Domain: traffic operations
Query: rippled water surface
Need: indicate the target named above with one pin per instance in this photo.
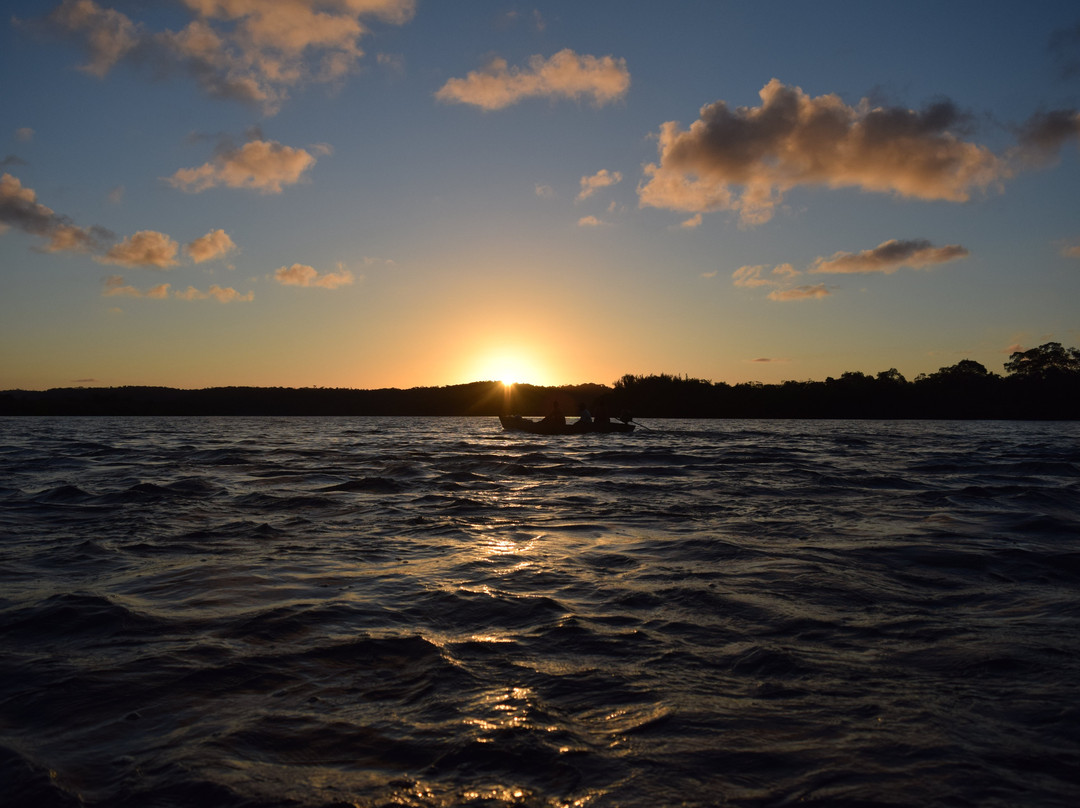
(411, 612)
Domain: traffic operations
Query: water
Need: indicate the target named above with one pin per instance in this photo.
(409, 612)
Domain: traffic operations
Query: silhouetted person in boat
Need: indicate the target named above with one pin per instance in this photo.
(584, 416)
(602, 417)
(555, 417)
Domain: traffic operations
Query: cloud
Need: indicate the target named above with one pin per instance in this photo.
(691, 223)
(590, 221)
(246, 50)
(765, 360)
(264, 166)
(712, 273)
(19, 208)
(545, 191)
(1071, 251)
(115, 286)
(800, 293)
(218, 293)
(888, 257)
(147, 248)
(116, 195)
(303, 275)
(1041, 137)
(25, 134)
(564, 75)
(601, 179)
(12, 160)
(214, 244)
(745, 159)
(751, 277)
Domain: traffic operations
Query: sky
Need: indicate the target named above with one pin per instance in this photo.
(402, 193)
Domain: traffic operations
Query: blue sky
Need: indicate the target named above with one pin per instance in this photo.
(369, 193)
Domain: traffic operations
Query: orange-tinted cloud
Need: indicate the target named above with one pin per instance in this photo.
(601, 179)
(303, 275)
(214, 244)
(750, 277)
(147, 248)
(19, 208)
(890, 256)
(221, 294)
(249, 50)
(800, 293)
(115, 286)
(564, 75)
(745, 159)
(264, 166)
(590, 221)
(1071, 251)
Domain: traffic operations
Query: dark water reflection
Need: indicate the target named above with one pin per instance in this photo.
(273, 612)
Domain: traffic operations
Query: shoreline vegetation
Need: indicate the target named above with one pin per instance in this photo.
(1040, 384)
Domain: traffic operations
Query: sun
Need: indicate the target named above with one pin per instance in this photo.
(510, 368)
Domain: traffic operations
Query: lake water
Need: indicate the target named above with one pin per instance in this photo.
(414, 612)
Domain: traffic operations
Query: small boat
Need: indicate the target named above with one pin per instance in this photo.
(515, 423)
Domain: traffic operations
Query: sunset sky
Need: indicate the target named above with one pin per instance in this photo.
(399, 193)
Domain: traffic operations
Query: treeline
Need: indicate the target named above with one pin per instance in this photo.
(476, 398)
(1042, 383)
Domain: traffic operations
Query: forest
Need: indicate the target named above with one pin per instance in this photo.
(1041, 383)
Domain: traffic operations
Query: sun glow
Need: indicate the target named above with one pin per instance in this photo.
(510, 368)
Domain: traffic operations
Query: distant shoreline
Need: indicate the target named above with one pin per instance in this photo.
(888, 396)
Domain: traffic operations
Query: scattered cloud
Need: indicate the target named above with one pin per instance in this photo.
(303, 275)
(886, 258)
(889, 256)
(262, 165)
(235, 49)
(545, 191)
(25, 134)
(745, 159)
(601, 179)
(115, 286)
(590, 221)
(766, 360)
(221, 294)
(19, 208)
(1041, 137)
(564, 75)
(116, 195)
(800, 293)
(751, 277)
(147, 248)
(691, 223)
(214, 244)
(1071, 251)
(710, 274)
(12, 160)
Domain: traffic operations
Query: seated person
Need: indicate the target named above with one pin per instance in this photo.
(555, 417)
(584, 416)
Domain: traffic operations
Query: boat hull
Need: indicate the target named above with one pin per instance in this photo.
(515, 423)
